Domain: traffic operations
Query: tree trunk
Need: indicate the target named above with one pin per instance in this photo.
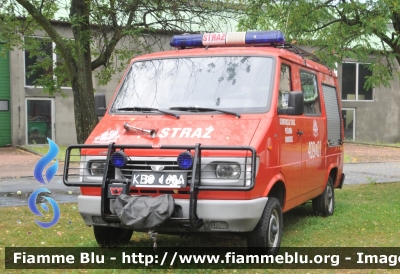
(82, 85)
(85, 118)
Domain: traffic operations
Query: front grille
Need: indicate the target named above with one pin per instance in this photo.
(145, 166)
(136, 164)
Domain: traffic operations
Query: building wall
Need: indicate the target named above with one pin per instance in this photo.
(377, 120)
(63, 119)
(63, 108)
(18, 113)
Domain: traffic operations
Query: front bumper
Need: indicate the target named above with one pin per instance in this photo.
(217, 215)
(197, 183)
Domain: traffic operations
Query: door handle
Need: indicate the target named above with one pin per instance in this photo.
(299, 132)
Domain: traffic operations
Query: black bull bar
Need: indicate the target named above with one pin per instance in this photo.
(195, 182)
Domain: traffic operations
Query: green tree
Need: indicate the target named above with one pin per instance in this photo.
(339, 29)
(99, 29)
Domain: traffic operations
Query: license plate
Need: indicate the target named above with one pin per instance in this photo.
(159, 179)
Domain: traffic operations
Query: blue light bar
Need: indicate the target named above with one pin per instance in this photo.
(187, 40)
(267, 37)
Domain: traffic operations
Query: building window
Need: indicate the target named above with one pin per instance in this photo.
(41, 50)
(353, 82)
(4, 105)
(309, 87)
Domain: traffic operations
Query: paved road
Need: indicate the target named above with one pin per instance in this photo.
(9, 191)
(362, 173)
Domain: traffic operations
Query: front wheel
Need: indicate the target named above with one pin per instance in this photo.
(266, 236)
(112, 236)
(324, 204)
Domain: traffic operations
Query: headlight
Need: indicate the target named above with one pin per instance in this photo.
(227, 171)
(97, 168)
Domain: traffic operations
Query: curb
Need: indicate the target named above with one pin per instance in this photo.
(15, 177)
(374, 145)
(28, 150)
(357, 163)
(23, 177)
(34, 152)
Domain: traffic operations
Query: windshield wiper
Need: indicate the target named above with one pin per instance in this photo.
(197, 109)
(144, 109)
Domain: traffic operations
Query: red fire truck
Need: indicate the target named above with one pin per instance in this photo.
(222, 134)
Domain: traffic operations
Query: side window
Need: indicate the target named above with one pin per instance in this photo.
(284, 86)
(309, 87)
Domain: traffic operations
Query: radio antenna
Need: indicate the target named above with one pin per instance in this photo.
(287, 21)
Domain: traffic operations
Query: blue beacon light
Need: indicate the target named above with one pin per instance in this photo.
(185, 160)
(118, 159)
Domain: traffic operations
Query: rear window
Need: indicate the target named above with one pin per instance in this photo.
(309, 86)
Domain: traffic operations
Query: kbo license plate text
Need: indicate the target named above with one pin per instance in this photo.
(159, 179)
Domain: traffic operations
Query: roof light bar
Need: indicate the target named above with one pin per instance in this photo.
(187, 40)
(261, 37)
(267, 37)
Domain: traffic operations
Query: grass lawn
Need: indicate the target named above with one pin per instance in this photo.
(365, 216)
(348, 158)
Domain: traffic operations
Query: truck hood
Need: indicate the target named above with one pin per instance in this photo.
(184, 131)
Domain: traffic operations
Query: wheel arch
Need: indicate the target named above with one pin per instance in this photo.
(276, 188)
(333, 173)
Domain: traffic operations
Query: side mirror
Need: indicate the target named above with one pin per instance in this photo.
(100, 104)
(295, 104)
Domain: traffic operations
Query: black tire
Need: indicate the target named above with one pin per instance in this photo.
(112, 236)
(266, 237)
(324, 204)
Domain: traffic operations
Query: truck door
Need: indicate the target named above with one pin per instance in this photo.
(313, 127)
(290, 141)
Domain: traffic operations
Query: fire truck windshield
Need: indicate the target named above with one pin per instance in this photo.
(234, 83)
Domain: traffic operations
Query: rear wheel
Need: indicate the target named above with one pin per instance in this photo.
(112, 236)
(324, 204)
(266, 236)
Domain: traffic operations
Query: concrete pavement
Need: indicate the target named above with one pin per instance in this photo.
(15, 192)
(364, 173)
(18, 163)
(17, 181)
